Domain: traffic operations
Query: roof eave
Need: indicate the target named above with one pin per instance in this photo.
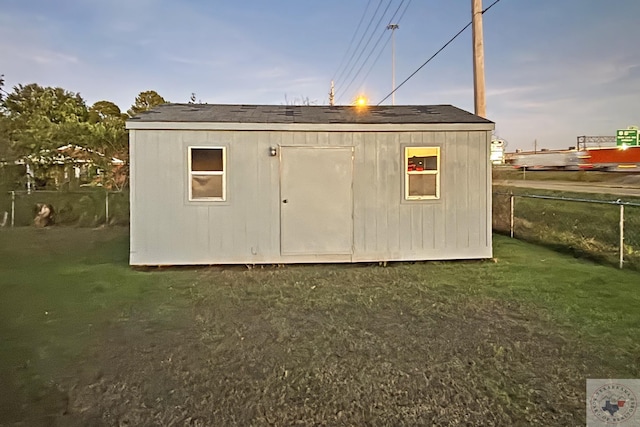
(311, 127)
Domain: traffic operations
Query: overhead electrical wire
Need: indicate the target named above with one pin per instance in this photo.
(373, 49)
(434, 55)
(366, 44)
(360, 41)
(385, 43)
(353, 37)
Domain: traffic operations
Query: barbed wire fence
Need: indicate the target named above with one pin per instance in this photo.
(90, 208)
(605, 231)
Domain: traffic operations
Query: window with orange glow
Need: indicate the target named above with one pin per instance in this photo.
(207, 177)
(422, 173)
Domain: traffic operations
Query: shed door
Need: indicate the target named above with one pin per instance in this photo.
(316, 200)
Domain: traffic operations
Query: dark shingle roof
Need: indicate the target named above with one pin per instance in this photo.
(288, 114)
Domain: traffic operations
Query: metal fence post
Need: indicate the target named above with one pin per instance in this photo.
(511, 210)
(106, 207)
(621, 235)
(13, 208)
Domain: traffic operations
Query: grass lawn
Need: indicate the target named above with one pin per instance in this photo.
(86, 340)
(586, 229)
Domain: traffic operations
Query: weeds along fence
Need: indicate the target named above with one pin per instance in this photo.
(89, 208)
(606, 231)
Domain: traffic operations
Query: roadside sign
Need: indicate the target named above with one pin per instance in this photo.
(627, 137)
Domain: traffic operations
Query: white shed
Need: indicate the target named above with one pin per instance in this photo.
(254, 184)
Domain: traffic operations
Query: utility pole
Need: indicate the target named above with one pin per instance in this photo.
(393, 28)
(332, 95)
(478, 59)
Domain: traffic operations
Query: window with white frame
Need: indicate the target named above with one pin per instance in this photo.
(422, 173)
(207, 173)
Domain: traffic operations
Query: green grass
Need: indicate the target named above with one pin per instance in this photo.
(585, 229)
(509, 173)
(510, 341)
(60, 287)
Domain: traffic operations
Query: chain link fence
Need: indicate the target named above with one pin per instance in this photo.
(89, 208)
(606, 231)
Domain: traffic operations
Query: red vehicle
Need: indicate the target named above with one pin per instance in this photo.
(613, 159)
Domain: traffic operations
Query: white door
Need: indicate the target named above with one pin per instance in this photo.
(316, 201)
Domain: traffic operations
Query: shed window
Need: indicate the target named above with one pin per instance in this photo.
(207, 175)
(422, 173)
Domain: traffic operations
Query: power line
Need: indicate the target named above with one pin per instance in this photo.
(376, 60)
(434, 55)
(355, 76)
(361, 39)
(385, 43)
(353, 37)
(368, 41)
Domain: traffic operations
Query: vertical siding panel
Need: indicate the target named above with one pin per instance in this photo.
(275, 139)
(139, 227)
(220, 218)
(258, 204)
(243, 189)
(416, 208)
(428, 227)
(486, 224)
(323, 139)
(251, 194)
(261, 205)
(428, 209)
(202, 236)
(463, 191)
(370, 194)
(453, 184)
(392, 176)
(135, 231)
(287, 138)
(172, 226)
(440, 211)
(381, 203)
(151, 198)
(359, 193)
(195, 233)
(309, 138)
(404, 218)
(476, 184)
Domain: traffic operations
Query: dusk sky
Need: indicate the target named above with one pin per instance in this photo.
(555, 69)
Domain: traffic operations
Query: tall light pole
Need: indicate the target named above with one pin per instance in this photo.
(393, 28)
(478, 59)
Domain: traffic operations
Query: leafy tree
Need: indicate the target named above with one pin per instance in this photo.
(44, 118)
(145, 101)
(37, 120)
(105, 110)
(4, 125)
(2, 92)
(110, 140)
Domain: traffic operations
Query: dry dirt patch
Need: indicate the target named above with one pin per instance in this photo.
(345, 354)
